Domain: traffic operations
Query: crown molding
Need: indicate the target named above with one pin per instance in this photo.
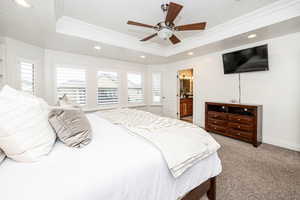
(74, 27)
(265, 16)
(271, 14)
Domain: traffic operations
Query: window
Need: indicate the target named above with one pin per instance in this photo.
(108, 88)
(135, 88)
(71, 82)
(27, 77)
(156, 88)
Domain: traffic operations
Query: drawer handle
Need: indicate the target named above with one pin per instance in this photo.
(216, 115)
(215, 128)
(215, 121)
(238, 134)
(239, 126)
(239, 119)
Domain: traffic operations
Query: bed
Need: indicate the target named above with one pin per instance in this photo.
(115, 166)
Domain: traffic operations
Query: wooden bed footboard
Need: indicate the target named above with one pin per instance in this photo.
(208, 187)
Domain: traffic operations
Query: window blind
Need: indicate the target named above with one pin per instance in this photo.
(156, 87)
(135, 88)
(108, 88)
(72, 82)
(27, 77)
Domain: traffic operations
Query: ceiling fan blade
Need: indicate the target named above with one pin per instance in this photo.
(174, 39)
(149, 37)
(139, 24)
(191, 27)
(173, 11)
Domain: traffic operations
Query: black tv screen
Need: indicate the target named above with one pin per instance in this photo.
(247, 60)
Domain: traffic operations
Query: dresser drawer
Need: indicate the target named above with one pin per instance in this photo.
(216, 128)
(241, 119)
(217, 115)
(217, 122)
(240, 134)
(242, 127)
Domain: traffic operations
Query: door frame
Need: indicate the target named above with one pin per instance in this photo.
(178, 92)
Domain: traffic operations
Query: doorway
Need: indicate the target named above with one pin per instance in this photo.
(185, 95)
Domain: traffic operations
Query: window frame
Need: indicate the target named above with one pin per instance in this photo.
(151, 89)
(105, 106)
(35, 74)
(132, 104)
(86, 82)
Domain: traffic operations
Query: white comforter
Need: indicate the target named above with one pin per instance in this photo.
(115, 166)
(182, 144)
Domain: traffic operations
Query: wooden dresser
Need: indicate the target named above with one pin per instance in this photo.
(186, 107)
(239, 121)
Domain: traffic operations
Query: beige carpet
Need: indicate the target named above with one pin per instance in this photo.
(263, 173)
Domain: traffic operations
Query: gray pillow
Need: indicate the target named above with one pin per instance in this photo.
(2, 156)
(71, 126)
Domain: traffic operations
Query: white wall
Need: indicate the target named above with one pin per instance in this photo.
(278, 89)
(46, 60)
(16, 51)
(92, 65)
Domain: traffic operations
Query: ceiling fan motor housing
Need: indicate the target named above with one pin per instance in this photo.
(166, 29)
(164, 7)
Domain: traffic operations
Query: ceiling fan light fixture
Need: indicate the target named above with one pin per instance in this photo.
(165, 33)
(166, 29)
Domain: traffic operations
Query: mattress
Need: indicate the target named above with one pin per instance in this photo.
(116, 165)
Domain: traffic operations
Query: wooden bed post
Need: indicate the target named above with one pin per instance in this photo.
(208, 187)
(211, 193)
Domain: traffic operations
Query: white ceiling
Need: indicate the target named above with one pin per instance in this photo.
(114, 14)
(38, 26)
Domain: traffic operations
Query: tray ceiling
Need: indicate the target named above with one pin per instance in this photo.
(77, 25)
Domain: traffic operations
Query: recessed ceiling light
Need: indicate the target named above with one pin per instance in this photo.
(190, 53)
(251, 36)
(23, 3)
(143, 56)
(97, 47)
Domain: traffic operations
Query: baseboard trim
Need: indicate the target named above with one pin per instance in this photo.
(281, 143)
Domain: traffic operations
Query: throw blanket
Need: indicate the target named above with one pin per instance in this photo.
(182, 144)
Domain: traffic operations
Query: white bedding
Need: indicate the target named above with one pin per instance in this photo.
(115, 166)
(182, 144)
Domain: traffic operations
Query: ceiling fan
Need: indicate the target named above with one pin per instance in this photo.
(166, 29)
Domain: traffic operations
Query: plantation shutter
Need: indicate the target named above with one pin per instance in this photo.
(156, 88)
(27, 77)
(135, 88)
(108, 88)
(72, 82)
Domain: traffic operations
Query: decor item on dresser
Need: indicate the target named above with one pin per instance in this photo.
(239, 121)
(25, 134)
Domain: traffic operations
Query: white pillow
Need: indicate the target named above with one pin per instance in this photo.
(25, 134)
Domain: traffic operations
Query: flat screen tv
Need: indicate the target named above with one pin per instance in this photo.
(246, 60)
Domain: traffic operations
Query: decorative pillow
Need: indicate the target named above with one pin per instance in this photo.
(2, 156)
(71, 126)
(25, 134)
